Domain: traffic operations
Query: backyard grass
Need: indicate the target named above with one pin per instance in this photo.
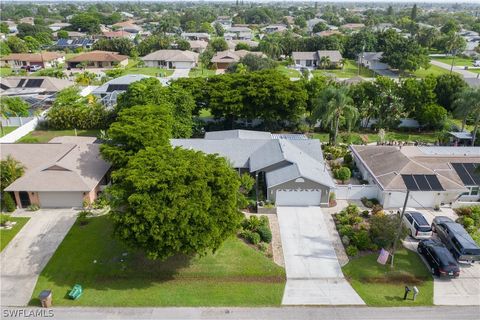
(359, 137)
(349, 70)
(7, 235)
(43, 136)
(381, 286)
(7, 130)
(112, 275)
(149, 71)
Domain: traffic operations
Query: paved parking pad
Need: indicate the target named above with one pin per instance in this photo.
(314, 276)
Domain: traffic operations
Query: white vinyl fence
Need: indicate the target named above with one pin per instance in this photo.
(23, 130)
(15, 121)
(356, 192)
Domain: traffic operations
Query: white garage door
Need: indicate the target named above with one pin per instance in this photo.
(60, 199)
(301, 197)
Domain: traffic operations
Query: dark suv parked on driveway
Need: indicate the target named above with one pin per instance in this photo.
(456, 239)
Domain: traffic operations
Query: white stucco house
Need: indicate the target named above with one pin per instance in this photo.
(434, 175)
(171, 59)
(372, 61)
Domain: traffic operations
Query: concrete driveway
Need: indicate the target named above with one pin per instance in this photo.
(29, 252)
(465, 290)
(314, 276)
(179, 73)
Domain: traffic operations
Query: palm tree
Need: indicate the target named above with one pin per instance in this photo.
(324, 62)
(11, 170)
(333, 105)
(12, 106)
(467, 104)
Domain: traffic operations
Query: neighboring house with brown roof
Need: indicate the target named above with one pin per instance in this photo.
(44, 59)
(314, 59)
(60, 174)
(73, 35)
(434, 175)
(225, 58)
(327, 33)
(98, 59)
(172, 59)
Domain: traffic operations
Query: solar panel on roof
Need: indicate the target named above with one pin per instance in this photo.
(20, 84)
(117, 87)
(34, 83)
(421, 182)
(464, 174)
(472, 171)
(409, 182)
(434, 183)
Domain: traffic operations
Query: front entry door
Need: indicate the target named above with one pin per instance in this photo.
(24, 199)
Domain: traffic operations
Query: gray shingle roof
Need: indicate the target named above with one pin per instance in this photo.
(237, 134)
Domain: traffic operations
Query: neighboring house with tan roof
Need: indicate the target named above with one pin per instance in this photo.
(128, 26)
(238, 33)
(352, 26)
(32, 88)
(98, 59)
(198, 45)
(314, 59)
(60, 174)
(118, 34)
(225, 58)
(172, 59)
(232, 44)
(434, 175)
(44, 59)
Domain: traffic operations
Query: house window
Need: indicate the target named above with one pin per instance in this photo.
(474, 191)
(308, 63)
(297, 61)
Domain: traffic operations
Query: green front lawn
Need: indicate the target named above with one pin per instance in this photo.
(236, 275)
(149, 71)
(359, 137)
(7, 130)
(43, 136)
(201, 72)
(474, 70)
(381, 286)
(349, 70)
(436, 71)
(7, 235)
(289, 72)
(458, 61)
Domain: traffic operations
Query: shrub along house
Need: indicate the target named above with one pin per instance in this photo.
(436, 176)
(60, 174)
(289, 169)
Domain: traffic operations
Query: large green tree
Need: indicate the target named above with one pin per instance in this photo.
(446, 87)
(10, 170)
(86, 22)
(151, 92)
(136, 128)
(174, 201)
(405, 54)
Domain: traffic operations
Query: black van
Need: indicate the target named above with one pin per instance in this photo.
(456, 239)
